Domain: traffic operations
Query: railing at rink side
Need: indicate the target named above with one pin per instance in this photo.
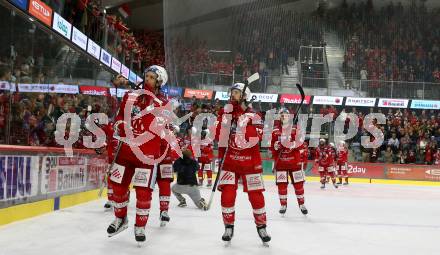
(375, 88)
(29, 174)
(398, 89)
(326, 86)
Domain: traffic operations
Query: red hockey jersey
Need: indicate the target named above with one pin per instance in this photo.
(286, 158)
(206, 154)
(151, 148)
(342, 156)
(437, 158)
(325, 155)
(241, 160)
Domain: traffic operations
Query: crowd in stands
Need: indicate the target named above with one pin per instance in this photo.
(30, 118)
(269, 37)
(152, 50)
(35, 56)
(253, 47)
(409, 136)
(88, 16)
(394, 42)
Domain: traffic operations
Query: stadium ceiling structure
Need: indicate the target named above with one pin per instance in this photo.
(133, 3)
(196, 12)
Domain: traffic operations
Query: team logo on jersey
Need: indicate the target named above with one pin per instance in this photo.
(117, 173)
(227, 178)
(142, 177)
(254, 182)
(155, 129)
(281, 177)
(166, 171)
(298, 176)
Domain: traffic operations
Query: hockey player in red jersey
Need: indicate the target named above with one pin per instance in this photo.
(205, 160)
(341, 163)
(437, 157)
(325, 159)
(128, 164)
(332, 146)
(305, 155)
(288, 162)
(240, 162)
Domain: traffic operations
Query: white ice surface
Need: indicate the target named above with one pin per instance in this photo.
(358, 219)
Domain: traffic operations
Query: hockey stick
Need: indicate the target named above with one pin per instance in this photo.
(249, 80)
(295, 117)
(303, 96)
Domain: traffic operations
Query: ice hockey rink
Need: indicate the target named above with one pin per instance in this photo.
(358, 219)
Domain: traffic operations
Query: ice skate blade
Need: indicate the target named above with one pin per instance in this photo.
(163, 224)
(227, 243)
(266, 244)
(119, 231)
(140, 244)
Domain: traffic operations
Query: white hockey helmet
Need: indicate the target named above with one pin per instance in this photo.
(332, 145)
(161, 73)
(240, 86)
(284, 110)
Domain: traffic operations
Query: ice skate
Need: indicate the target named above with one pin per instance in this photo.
(303, 209)
(117, 226)
(182, 203)
(283, 210)
(265, 238)
(164, 218)
(139, 234)
(229, 233)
